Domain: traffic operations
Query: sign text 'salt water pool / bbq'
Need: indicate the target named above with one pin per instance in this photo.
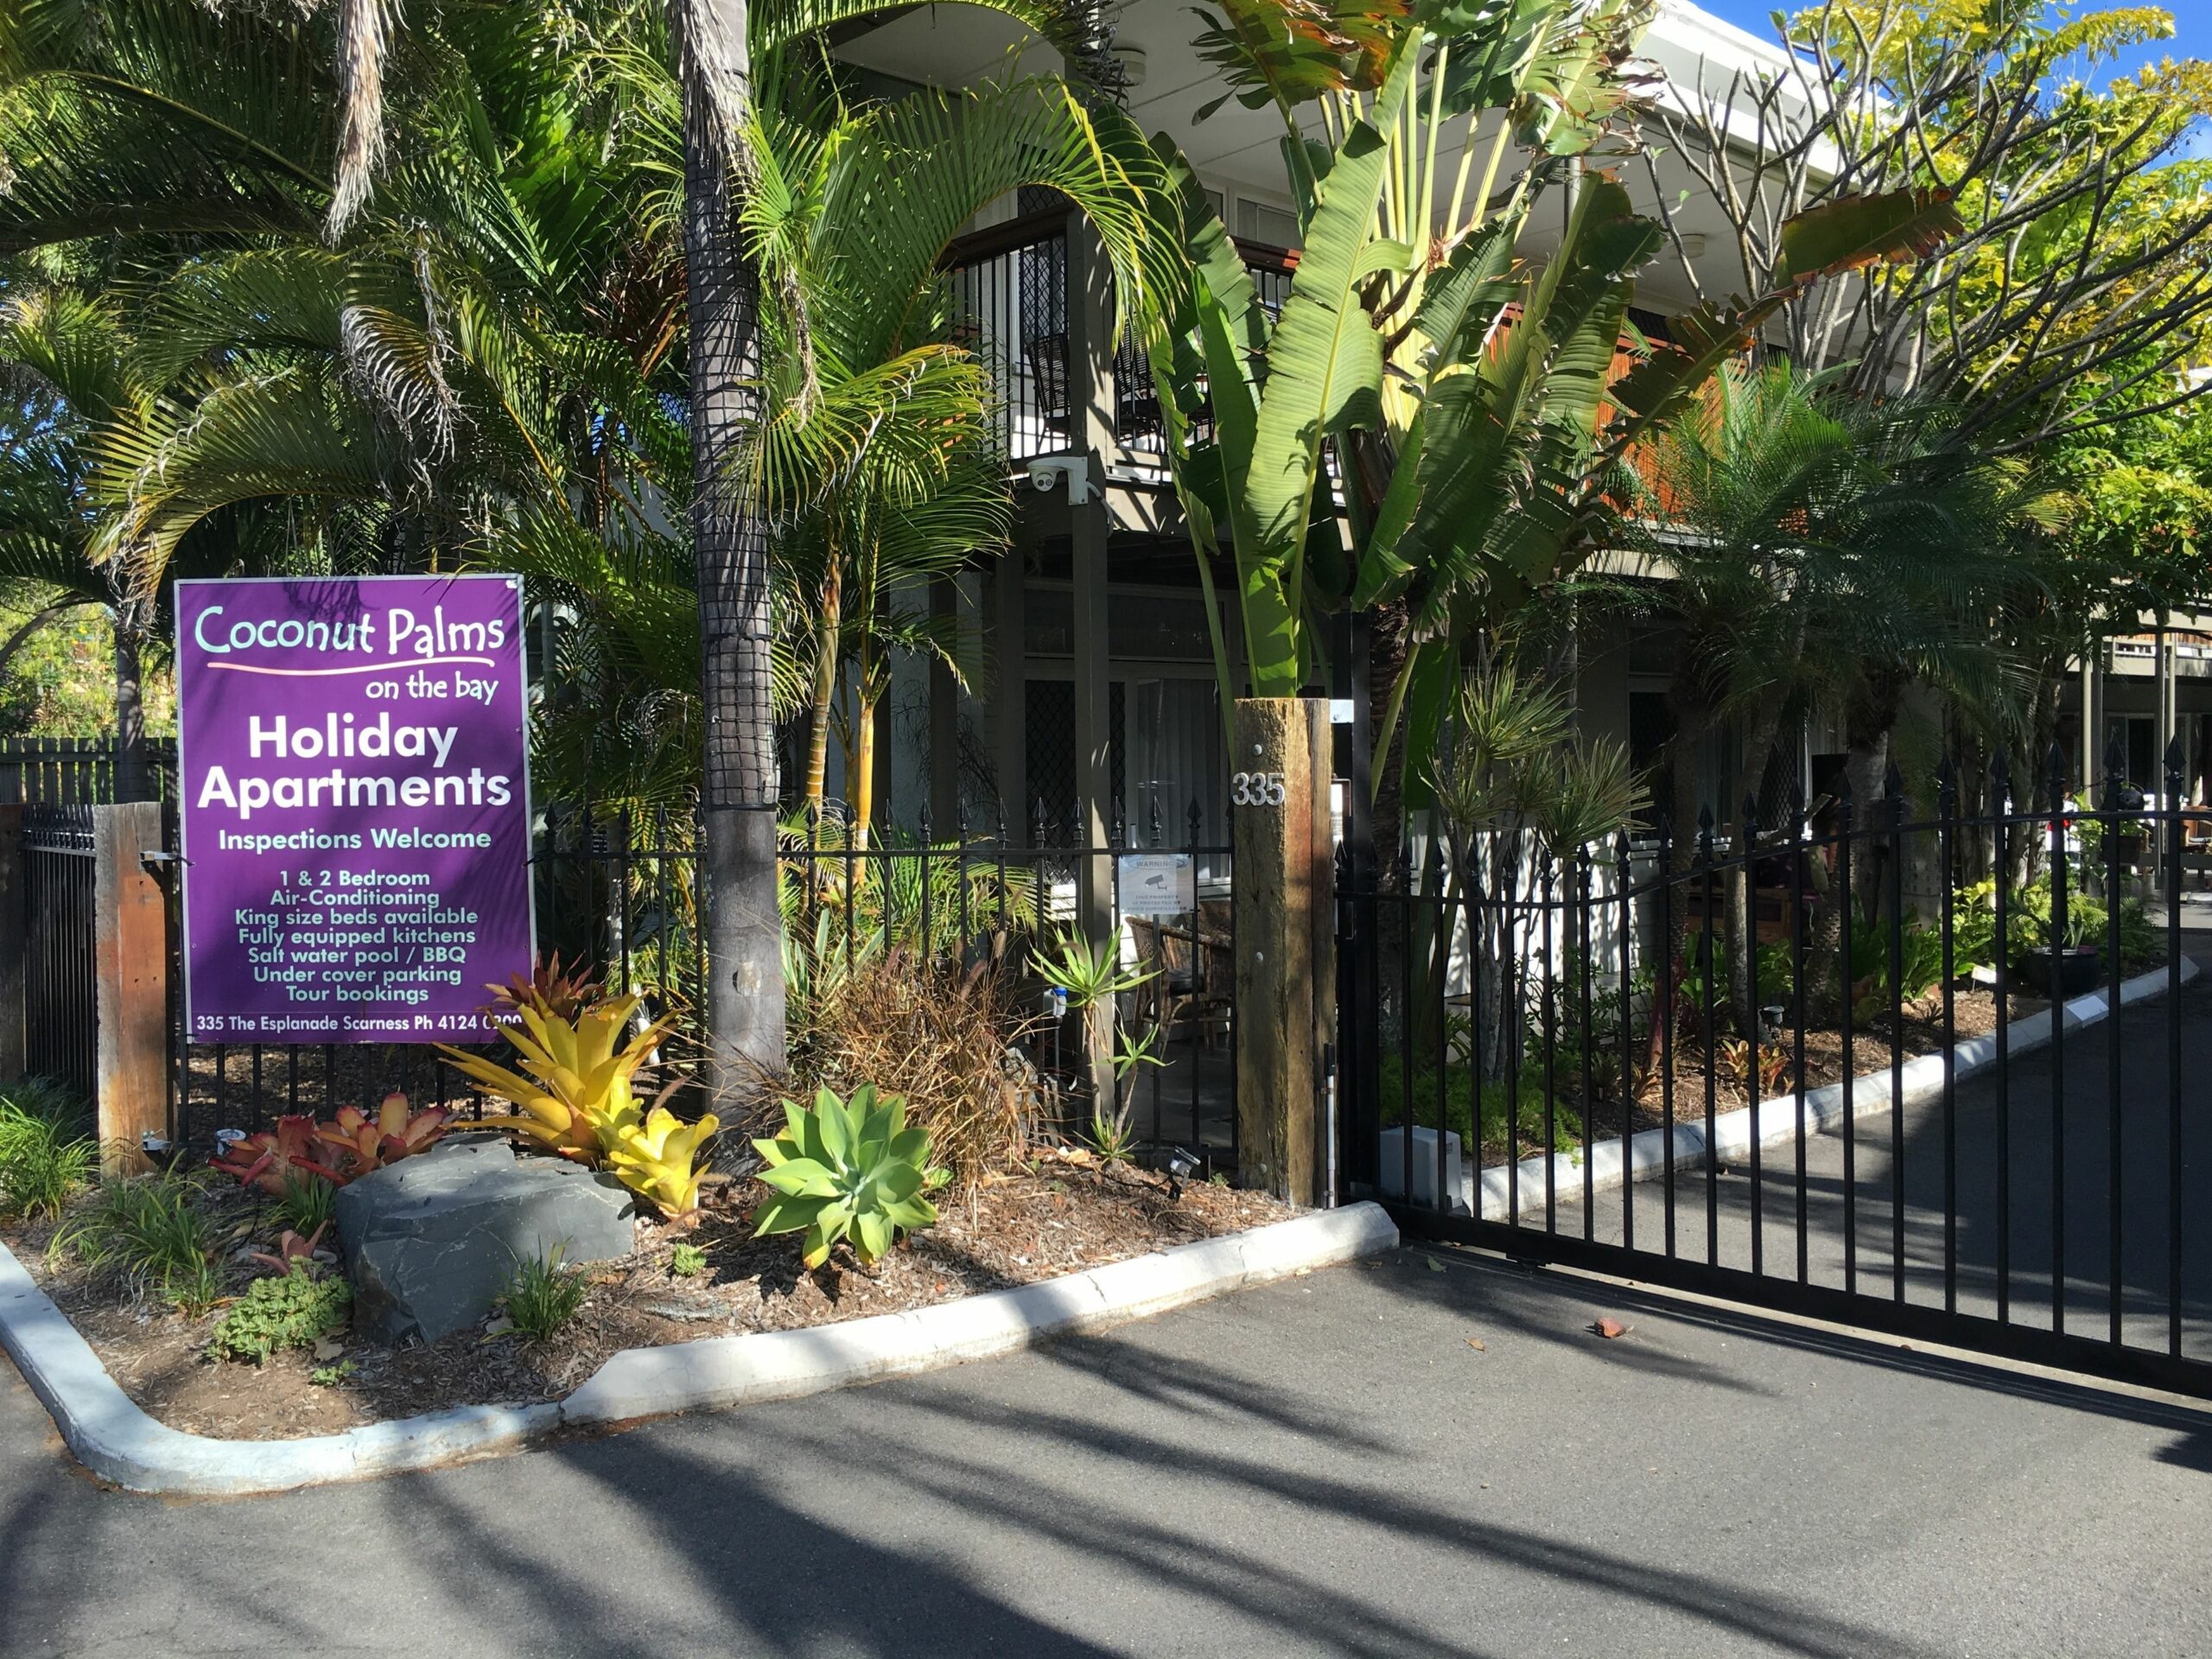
(355, 791)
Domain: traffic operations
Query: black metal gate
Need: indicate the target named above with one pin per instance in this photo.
(61, 1025)
(1812, 1064)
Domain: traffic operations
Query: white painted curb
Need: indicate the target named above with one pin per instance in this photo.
(1733, 1131)
(120, 1443)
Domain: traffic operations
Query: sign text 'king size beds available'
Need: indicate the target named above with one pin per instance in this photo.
(354, 784)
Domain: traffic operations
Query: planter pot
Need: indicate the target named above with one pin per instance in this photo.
(2073, 971)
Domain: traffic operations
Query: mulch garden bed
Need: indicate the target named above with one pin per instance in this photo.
(1063, 1213)
(1975, 1014)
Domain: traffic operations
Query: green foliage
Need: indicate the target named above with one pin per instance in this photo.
(307, 1204)
(329, 1376)
(686, 1261)
(1523, 1111)
(1087, 976)
(543, 1295)
(1110, 1137)
(1777, 976)
(848, 1169)
(153, 1231)
(1919, 964)
(45, 1153)
(293, 1309)
(2028, 926)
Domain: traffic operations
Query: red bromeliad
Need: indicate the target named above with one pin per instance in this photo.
(351, 1145)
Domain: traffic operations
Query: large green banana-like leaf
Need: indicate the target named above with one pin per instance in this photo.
(1288, 53)
(1836, 236)
(1580, 79)
(1325, 369)
(1855, 230)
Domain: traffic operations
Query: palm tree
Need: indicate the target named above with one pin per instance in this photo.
(1824, 550)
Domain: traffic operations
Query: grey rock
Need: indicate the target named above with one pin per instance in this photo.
(431, 1241)
(674, 1308)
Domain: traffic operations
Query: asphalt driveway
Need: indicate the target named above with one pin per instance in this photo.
(1325, 1466)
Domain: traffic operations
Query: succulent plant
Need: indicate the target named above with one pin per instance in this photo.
(848, 1169)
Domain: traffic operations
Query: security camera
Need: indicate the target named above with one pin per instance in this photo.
(1046, 471)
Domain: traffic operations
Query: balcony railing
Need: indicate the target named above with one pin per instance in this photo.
(1011, 307)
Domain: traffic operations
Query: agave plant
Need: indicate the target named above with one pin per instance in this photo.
(848, 1169)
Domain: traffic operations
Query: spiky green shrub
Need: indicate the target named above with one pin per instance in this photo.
(46, 1154)
(543, 1295)
(848, 1169)
(154, 1232)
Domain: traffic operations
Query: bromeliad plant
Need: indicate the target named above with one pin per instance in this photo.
(578, 1080)
(352, 1145)
(848, 1169)
(576, 1092)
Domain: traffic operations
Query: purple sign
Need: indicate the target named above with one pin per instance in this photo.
(354, 775)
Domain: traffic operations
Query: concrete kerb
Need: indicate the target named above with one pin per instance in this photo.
(1777, 1119)
(120, 1443)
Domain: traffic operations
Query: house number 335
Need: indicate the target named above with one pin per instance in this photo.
(1255, 788)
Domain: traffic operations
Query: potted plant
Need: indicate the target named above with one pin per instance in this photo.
(2051, 961)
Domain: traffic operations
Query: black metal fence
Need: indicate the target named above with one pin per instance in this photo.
(1011, 301)
(1815, 1064)
(621, 894)
(982, 896)
(61, 1030)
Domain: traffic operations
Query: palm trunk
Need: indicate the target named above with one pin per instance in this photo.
(827, 655)
(867, 698)
(134, 779)
(738, 796)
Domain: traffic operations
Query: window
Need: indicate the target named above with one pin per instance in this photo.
(1259, 221)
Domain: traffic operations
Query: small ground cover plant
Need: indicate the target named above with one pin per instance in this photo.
(848, 1169)
(293, 1309)
(686, 1261)
(153, 1231)
(543, 1295)
(46, 1154)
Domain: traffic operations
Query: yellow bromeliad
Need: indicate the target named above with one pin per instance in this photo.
(574, 1089)
(656, 1160)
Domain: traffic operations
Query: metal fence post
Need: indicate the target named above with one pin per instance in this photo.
(132, 972)
(15, 929)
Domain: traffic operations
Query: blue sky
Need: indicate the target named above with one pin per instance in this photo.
(2192, 37)
(2192, 25)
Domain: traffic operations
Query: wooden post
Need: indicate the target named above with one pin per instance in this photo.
(1285, 886)
(131, 967)
(15, 928)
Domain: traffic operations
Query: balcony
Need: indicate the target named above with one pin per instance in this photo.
(1011, 301)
